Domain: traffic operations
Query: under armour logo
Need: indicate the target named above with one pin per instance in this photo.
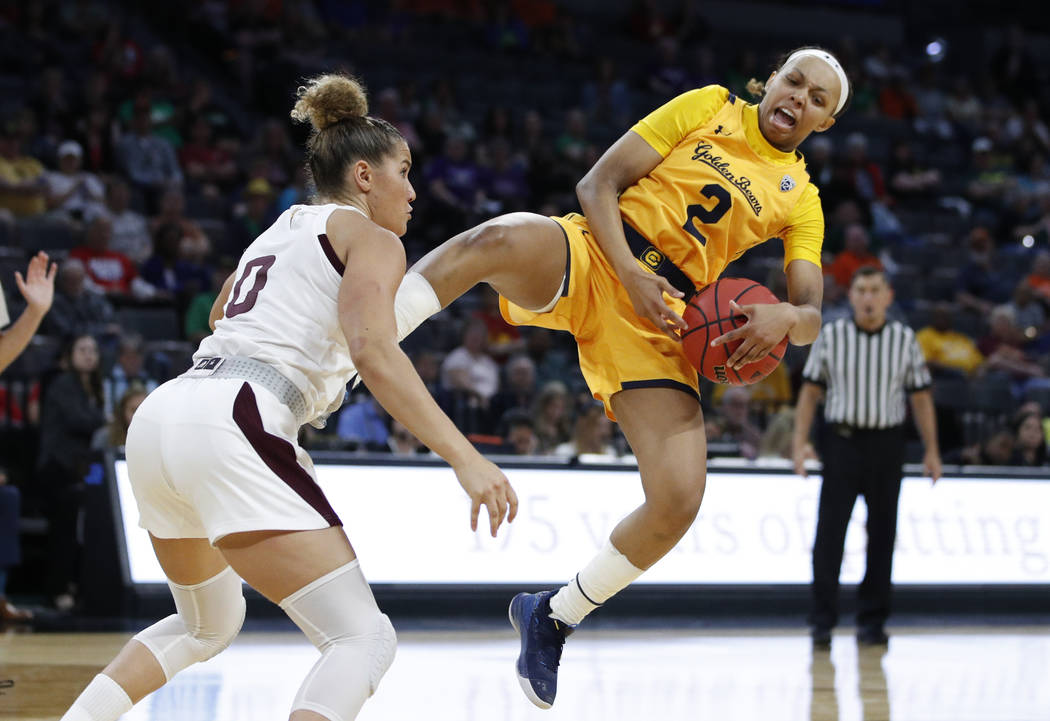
(718, 130)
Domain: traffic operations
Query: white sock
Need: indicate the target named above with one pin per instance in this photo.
(414, 303)
(607, 574)
(102, 700)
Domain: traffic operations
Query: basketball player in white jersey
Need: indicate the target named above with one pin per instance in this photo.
(221, 483)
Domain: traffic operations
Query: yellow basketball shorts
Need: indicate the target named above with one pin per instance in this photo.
(618, 350)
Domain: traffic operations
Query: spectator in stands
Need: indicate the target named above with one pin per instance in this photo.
(856, 254)
(251, 218)
(1003, 347)
(573, 146)
(1029, 314)
(72, 192)
(520, 433)
(73, 410)
(988, 180)
(912, 183)
(95, 135)
(401, 441)
(503, 338)
(776, 439)
(592, 434)
(865, 173)
(896, 99)
(129, 233)
(469, 368)
(10, 550)
(128, 371)
(607, 96)
(963, 108)
(363, 424)
(668, 75)
(518, 389)
(115, 433)
(818, 159)
(196, 321)
(456, 185)
(170, 269)
(22, 182)
(296, 192)
(734, 411)
(1029, 442)
(148, 159)
(173, 210)
(505, 178)
(947, 351)
(551, 417)
(389, 109)
(1039, 278)
(931, 105)
(983, 283)
(209, 168)
(995, 449)
(272, 155)
(76, 310)
(108, 271)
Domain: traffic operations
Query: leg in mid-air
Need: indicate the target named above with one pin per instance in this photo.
(522, 255)
(665, 428)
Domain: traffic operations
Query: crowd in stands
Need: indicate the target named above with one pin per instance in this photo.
(145, 164)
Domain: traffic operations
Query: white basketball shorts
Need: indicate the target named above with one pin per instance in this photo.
(212, 456)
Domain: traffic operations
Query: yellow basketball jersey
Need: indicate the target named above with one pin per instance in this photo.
(714, 195)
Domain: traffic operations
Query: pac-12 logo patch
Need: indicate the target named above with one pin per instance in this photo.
(787, 184)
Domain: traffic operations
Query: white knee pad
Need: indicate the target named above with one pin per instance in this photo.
(338, 613)
(207, 619)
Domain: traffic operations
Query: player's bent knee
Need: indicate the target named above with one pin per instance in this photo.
(678, 503)
(209, 616)
(357, 642)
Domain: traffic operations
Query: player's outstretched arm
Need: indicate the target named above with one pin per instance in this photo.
(38, 289)
(376, 264)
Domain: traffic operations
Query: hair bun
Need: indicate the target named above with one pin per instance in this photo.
(328, 99)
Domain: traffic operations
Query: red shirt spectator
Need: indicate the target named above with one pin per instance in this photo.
(855, 255)
(110, 271)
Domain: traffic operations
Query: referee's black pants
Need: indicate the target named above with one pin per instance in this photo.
(857, 462)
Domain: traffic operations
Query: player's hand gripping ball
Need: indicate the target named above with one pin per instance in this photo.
(709, 316)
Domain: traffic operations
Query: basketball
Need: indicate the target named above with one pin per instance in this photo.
(709, 316)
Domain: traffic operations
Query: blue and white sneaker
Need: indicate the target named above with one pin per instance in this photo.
(542, 639)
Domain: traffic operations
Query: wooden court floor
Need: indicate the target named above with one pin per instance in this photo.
(954, 674)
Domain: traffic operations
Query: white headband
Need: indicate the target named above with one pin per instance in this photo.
(833, 63)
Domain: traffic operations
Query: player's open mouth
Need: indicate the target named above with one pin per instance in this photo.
(783, 118)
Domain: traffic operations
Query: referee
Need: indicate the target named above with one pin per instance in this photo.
(863, 366)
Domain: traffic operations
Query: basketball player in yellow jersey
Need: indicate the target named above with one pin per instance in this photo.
(687, 190)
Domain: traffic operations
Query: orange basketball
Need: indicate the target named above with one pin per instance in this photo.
(709, 316)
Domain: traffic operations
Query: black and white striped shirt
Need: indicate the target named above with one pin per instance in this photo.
(866, 375)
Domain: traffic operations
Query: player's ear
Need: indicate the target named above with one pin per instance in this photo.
(361, 175)
(828, 122)
(770, 78)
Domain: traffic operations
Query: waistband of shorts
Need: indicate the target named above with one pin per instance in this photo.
(654, 259)
(254, 371)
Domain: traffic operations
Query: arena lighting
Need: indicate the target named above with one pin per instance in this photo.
(1028, 241)
(756, 527)
(936, 49)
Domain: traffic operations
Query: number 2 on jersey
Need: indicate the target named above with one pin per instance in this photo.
(237, 304)
(698, 213)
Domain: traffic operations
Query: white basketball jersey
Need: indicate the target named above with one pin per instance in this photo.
(283, 307)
